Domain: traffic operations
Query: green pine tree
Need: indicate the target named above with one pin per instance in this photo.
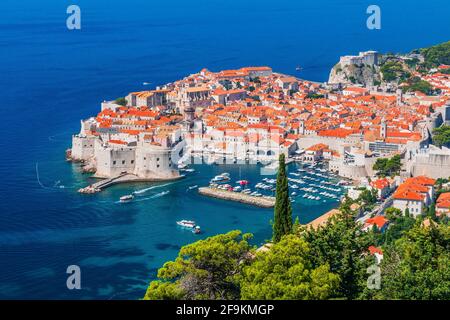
(283, 211)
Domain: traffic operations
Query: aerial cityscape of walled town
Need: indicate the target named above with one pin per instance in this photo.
(225, 155)
(254, 114)
(379, 127)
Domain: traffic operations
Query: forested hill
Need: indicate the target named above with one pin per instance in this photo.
(394, 69)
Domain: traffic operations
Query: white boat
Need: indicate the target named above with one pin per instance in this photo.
(220, 178)
(193, 187)
(126, 198)
(196, 230)
(186, 224)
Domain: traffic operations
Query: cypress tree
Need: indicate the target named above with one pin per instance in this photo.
(283, 211)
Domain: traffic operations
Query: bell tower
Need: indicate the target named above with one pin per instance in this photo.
(383, 129)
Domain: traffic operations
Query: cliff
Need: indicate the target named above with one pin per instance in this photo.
(355, 74)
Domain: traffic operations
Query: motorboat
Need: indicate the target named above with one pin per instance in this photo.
(187, 224)
(126, 198)
(197, 230)
(220, 178)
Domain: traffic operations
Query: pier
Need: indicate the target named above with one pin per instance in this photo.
(104, 183)
(121, 178)
(263, 202)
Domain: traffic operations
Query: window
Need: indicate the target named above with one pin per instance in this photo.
(157, 165)
(132, 161)
(123, 161)
(157, 159)
(114, 162)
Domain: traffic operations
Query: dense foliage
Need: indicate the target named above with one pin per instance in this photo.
(417, 265)
(282, 224)
(206, 269)
(388, 166)
(441, 136)
(416, 84)
(436, 55)
(286, 271)
(342, 245)
(393, 70)
(121, 101)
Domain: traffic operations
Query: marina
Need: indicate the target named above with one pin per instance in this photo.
(312, 184)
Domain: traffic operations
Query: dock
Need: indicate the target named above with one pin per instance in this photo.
(263, 202)
(121, 178)
(104, 183)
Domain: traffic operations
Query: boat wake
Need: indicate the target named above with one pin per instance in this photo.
(157, 195)
(151, 188)
(56, 186)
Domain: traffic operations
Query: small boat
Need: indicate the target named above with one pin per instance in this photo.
(298, 68)
(145, 83)
(197, 230)
(242, 182)
(126, 198)
(220, 178)
(186, 224)
(193, 187)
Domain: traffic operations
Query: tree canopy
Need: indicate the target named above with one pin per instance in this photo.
(206, 269)
(388, 166)
(441, 136)
(121, 101)
(437, 55)
(286, 272)
(417, 266)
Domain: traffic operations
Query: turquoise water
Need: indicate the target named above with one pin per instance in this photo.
(52, 77)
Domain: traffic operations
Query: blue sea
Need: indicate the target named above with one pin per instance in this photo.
(51, 77)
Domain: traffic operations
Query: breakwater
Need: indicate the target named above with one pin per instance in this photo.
(264, 202)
